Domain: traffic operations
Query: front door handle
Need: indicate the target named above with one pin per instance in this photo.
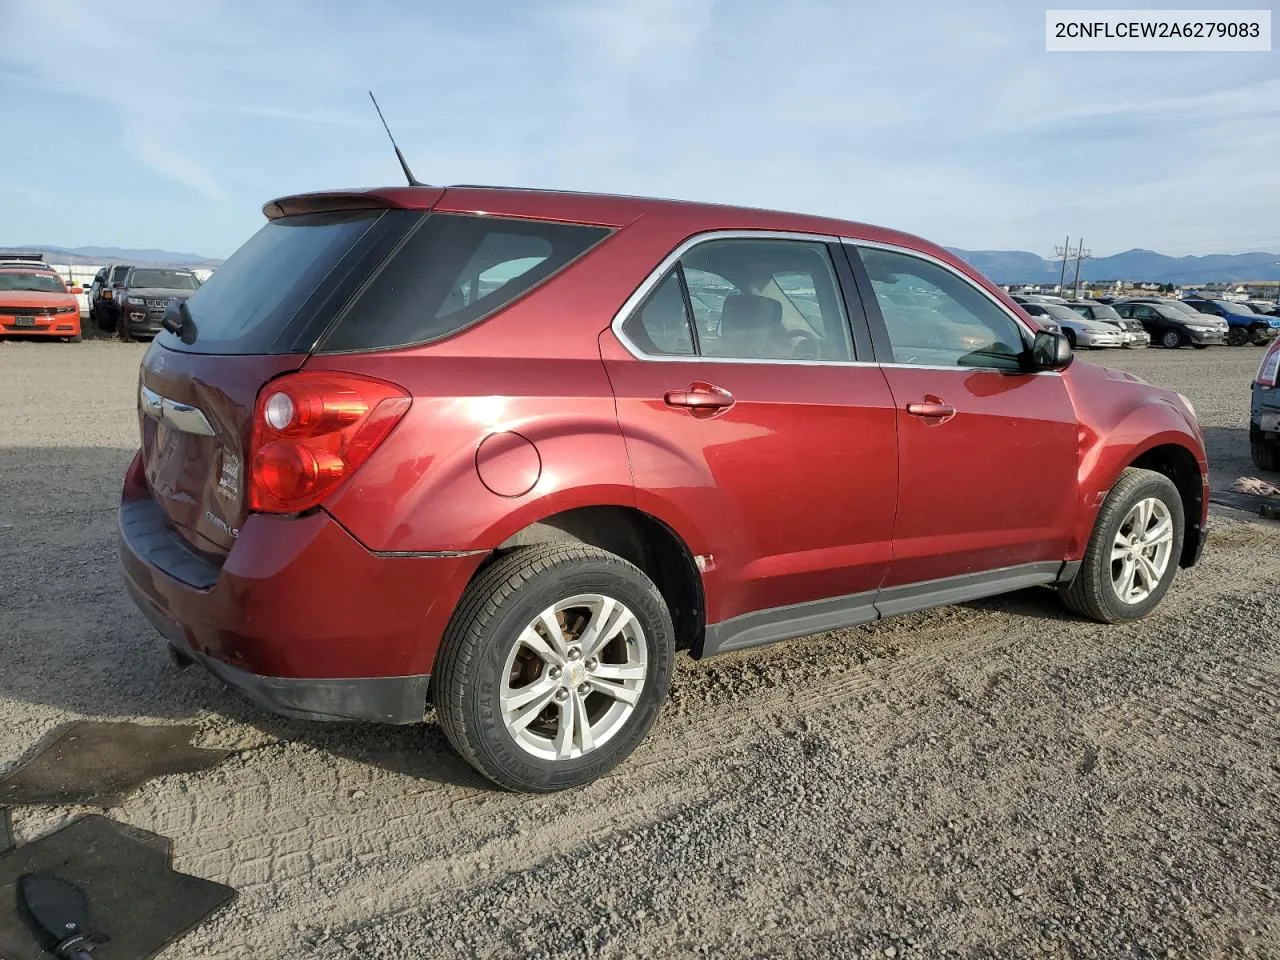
(931, 408)
(701, 399)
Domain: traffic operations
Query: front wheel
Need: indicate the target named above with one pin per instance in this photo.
(1172, 339)
(1201, 346)
(554, 667)
(1133, 553)
(1237, 336)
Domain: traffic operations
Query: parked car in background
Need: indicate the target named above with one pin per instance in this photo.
(103, 308)
(1244, 326)
(144, 293)
(1080, 331)
(519, 504)
(1268, 308)
(36, 302)
(1171, 327)
(1264, 412)
(1133, 332)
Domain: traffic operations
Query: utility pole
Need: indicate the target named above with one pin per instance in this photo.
(1064, 252)
(1081, 255)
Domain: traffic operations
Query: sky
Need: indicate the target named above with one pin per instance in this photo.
(165, 124)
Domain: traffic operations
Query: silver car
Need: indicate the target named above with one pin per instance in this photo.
(1080, 331)
(1133, 334)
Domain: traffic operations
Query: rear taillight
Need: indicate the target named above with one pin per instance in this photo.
(1269, 369)
(311, 431)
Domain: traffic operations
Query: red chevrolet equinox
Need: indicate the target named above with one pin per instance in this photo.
(505, 452)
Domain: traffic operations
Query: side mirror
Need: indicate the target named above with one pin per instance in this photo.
(1050, 351)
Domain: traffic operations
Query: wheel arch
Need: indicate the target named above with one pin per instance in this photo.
(636, 536)
(1180, 464)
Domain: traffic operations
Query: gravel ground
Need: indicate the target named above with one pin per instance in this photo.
(992, 779)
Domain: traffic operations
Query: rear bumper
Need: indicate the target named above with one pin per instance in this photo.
(299, 616)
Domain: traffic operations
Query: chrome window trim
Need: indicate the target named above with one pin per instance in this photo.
(632, 303)
(180, 416)
(929, 258)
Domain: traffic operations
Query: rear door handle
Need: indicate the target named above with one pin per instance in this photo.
(700, 398)
(932, 409)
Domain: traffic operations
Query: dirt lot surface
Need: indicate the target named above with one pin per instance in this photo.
(993, 779)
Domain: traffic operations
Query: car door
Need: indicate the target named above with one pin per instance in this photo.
(749, 420)
(986, 450)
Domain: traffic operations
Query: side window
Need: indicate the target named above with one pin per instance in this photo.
(661, 326)
(1144, 313)
(936, 318)
(766, 300)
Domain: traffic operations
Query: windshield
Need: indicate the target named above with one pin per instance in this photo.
(166, 279)
(1103, 312)
(117, 273)
(1060, 312)
(1237, 308)
(37, 282)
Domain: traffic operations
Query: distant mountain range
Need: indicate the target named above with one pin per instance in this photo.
(1001, 266)
(1018, 266)
(95, 255)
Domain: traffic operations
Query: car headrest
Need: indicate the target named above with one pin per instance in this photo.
(746, 313)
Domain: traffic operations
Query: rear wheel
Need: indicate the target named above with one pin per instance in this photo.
(1134, 550)
(1172, 339)
(1237, 336)
(1265, 453)
(554, 666)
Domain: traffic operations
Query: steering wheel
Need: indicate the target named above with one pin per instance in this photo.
(805, 346)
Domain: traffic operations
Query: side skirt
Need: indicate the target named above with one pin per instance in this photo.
(818, 616)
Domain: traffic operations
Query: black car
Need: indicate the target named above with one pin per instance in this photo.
(1171, 327)
(144, 294)
(103, 309)
(1245, 326)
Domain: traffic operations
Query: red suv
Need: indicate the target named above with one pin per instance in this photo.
(507, 451)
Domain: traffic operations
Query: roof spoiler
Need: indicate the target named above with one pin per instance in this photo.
(405, 198)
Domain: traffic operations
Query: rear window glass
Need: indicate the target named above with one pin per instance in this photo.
(451, 272)
(254, 302)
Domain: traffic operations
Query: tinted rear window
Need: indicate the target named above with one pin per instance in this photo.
(370, 279)
(254, 303)
(453, 271)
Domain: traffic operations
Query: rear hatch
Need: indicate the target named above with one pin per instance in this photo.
(258, 316)
(338, 281)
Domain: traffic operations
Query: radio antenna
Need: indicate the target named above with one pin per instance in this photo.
(413, 181)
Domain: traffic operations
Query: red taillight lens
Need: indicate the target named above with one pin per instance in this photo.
(1269, 369)
(311, 431)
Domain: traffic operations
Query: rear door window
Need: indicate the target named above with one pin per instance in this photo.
(451, 272)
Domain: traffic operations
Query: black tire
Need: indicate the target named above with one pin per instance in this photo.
(125, 335)
(1071, 337)
(1201, 346)
(1265, 453)
(1237, 336)
(76, 339)
(1091, 593)
(1171, 339)
(502, 601)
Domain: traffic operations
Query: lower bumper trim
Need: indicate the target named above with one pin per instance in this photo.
(398, 700)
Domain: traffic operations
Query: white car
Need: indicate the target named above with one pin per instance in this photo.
(1080, 331)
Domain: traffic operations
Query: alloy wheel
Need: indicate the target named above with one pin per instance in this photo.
(573, 677)
(1141, 550)
(1172, 339)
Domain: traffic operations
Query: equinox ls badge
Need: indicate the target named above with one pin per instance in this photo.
(221, 524)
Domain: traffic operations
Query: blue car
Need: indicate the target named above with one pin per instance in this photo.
(1264, 412)
(1244, 326)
